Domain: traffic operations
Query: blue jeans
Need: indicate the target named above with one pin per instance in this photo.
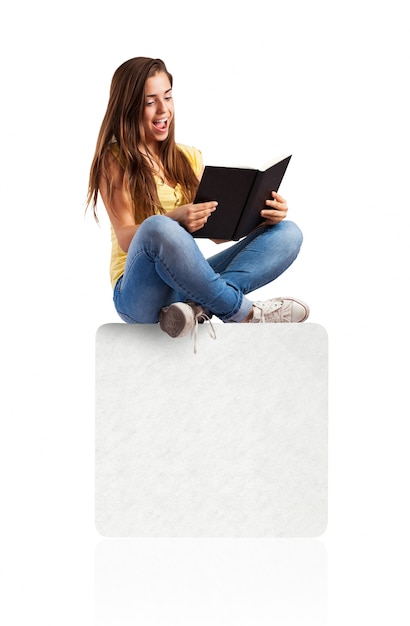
(165, 265)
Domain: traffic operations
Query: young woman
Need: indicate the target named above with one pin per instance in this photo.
(147, 183)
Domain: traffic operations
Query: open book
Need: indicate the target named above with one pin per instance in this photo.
(241, 193)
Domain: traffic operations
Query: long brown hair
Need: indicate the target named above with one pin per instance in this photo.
(123, 123)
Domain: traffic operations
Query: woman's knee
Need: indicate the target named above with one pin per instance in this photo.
(156, 225)
(159, 234)
(158, 231)
(292, 233)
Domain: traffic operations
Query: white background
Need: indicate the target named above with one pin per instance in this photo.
(326, 81)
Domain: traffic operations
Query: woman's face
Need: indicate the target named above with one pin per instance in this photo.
(159, 109)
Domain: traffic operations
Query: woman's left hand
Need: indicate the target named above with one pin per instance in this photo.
(276, 211)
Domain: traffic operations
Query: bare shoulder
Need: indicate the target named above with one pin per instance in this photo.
(114, 196)
(113, 170)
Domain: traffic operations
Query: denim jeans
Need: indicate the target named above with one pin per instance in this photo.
(165, 265)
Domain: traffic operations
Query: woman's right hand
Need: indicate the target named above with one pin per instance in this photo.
(193, 216)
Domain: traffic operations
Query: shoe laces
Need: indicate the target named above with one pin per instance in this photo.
(199, 318)
(269, 308)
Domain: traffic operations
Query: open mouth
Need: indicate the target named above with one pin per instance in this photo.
(161, 124)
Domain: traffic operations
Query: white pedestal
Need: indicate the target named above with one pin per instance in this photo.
(228, 442)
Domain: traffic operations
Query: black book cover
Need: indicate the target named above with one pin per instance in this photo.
(241, 194)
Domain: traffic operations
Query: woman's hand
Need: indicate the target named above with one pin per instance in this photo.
(277, 210)
(193, 216)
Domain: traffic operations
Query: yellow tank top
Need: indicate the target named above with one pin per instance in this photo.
(169, 197)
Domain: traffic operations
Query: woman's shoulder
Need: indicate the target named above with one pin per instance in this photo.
(188, 150)
(193, 155)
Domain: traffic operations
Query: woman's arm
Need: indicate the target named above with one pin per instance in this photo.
(193, 216)
(190, 216)
(119, 207)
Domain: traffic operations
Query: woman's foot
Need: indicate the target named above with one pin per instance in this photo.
(278, 310)
(181, 317)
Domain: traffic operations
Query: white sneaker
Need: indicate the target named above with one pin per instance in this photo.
(181, 317)
(279, 310)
